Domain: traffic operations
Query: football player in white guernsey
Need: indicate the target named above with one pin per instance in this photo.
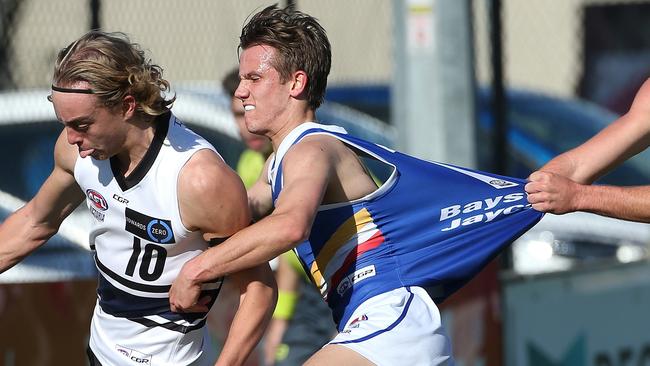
(284, 63)
(158, 194)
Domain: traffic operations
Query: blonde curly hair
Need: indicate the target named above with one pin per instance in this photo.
(114, 67)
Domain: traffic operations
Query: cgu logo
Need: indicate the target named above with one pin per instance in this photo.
(134, 355)
(97, 199)
(120, 199)
(139, 360)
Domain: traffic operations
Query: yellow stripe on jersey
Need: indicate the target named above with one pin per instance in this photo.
(341, 236)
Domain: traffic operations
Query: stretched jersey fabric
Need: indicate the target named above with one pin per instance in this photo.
(430, 224)
(140, 245)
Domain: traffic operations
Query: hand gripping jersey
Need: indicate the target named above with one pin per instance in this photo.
(140, 245)
(431, 225)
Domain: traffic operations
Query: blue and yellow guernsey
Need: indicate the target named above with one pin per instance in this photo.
(430, 224)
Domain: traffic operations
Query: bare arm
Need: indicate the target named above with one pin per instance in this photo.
(306, 174)
(624, 138)
(559, 195)
(561, 185)
(32, 225)
(256, 305)
(213, 200)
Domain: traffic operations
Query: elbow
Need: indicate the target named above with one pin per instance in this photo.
(264, 287)
(296, 231)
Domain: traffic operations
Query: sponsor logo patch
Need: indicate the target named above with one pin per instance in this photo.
(136, 357)
(149, 228)
(97, 199)
(97, 204)
(96, 214)
(357, 321)
(120, 199)
(500, 183)
(357, 276)
(486, 210)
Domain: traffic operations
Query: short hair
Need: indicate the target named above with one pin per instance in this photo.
(230, 82)
(114, 67)
(301, 43)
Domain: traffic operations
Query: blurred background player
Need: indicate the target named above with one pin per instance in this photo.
(301, 322)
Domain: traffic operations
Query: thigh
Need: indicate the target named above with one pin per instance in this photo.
(334, 354)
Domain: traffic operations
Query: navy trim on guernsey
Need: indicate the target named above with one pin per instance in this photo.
(170, 325)
(162, 126)
(124, 305)
(131, 284)
(390, 327)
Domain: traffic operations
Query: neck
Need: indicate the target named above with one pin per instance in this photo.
(291, 123)
(138, 139)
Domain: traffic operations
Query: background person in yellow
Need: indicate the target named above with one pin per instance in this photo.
(301, 324)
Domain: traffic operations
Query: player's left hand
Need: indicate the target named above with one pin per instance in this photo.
(184, 294)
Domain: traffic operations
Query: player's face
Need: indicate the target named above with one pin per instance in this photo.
(96, 130)
(252, 141)
(265, 98)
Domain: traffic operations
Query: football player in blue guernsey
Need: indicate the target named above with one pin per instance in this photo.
(381, 256)
(158, 194)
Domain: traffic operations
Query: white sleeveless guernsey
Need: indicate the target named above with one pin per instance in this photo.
(140, 245)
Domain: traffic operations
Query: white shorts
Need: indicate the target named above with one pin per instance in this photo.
(399, 327)
(119, 341)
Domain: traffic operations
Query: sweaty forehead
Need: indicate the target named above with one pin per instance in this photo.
(256, 58)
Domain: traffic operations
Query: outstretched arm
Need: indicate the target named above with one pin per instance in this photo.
(622, 139)
(556, 194)
(33, 224)
(561, 185)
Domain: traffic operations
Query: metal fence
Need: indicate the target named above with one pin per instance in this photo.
(589, 48)
(193, 40)
(594, 49)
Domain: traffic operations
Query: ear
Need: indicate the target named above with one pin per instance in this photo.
(298, 83)
(128, 106)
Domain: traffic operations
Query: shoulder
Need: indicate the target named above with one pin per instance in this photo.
(313, 158)
(211, 196)
(316, 146)
(65, 155)
(316, 150)
(203, 173)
